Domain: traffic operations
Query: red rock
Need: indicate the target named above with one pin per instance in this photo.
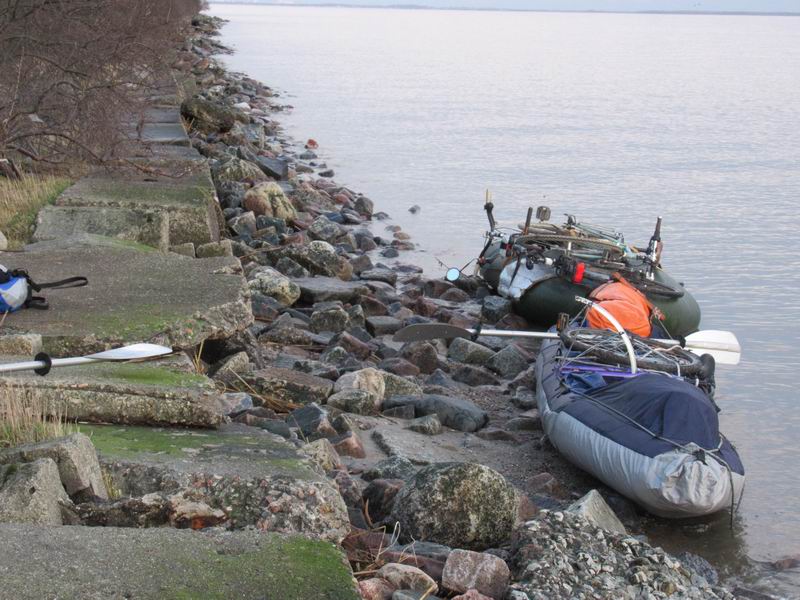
(434, 288)
(341, 199)
(467, 571)
(430, 565)
(425, 307)
(461, 321)
(789, 562)
(312, 144)
(349, 444)
(362, 545)
(353, 345)
(399, 366)
(401, 235)
(512, 321)
(526, 509)
(546, 483)
(455, 295)
(375, 589)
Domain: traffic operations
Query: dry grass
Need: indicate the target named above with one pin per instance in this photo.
(20, 202)
(26, 417)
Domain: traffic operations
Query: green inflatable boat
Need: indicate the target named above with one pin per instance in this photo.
(542, 267)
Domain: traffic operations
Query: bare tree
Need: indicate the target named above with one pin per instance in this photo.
(73, 72)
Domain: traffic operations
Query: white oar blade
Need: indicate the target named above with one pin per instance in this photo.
(714, 339)
(132, 352)
(721, 357)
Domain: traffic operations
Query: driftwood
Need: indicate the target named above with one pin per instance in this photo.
(8, 169)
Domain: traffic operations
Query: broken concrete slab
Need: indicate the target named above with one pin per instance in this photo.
(75, 457)
(286, 386)
(132, 296)
(148, 227)
(257, 478)
(163, 133)
(161, 393)
(32, 493)
(99, 563)
(191, 206)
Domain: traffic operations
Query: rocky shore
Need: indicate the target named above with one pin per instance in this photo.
(292, 449)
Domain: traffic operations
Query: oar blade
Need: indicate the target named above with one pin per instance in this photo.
(721, 357)
(714, 339)
(421, 332)
(132, 352)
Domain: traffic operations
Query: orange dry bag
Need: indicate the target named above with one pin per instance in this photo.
(627, 304)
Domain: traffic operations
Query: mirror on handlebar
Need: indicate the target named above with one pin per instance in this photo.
(453, 274)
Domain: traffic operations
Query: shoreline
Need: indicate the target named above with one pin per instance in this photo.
(405, 277)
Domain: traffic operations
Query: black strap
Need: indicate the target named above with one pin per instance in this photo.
(69, 282)
(48, 363)
(37, 302)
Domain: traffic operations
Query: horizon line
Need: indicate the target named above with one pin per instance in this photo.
(740, 13)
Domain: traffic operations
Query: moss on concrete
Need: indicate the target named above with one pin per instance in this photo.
(144, 374)
(102, 191)
(129, 442)
(290, 569)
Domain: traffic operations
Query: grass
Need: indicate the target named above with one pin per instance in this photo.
(20, 202)
(26, 417)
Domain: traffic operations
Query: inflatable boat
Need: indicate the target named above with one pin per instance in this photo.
(541, 267)
(651, 435)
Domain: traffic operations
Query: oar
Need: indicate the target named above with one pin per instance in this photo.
(43, 363)
(722, 345)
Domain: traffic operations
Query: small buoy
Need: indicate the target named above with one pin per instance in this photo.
(312, 144)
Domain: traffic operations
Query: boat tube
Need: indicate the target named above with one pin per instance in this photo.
(651, 436)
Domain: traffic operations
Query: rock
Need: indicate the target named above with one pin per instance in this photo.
(221, 248)
(364, 206)
(456, 413)
(497, 435)
(375, 588)
(234, 170)
(32, 493)
(458, 504)
(331, 317)
(76, 459)
(495, 308)
(282, 386)
(414, 209)
(312, 421)
(319, 258)
(546, 483)
(421, 354)
(510, 361)
(395, 385)
(186, 249)
(232, 403)
(407, 577)
(323, 289)
(465, 351)
(208, 116)
(291, 268)
(349, 444)
(322, 452)
(523, 398)
(427, 425)
(455, 295)
(326, 230)
(594, 509)
(526, 422)
(369, 380)
(269, 282)
(379, 497)
(485, 573)
(327, 173)
(189, 514)
(394, 467)
(405, 412)
(440, 379)
(235, 363)
(383, 325)
(384, 275)
(474, 376)
(268, 199)
(412, 595)
(349, 343)
(243, 224)
(274, 167)
(434, 288)
(355, 401)
(471, 595)
(398, 366)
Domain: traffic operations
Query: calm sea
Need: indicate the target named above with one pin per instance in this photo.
(615, 118)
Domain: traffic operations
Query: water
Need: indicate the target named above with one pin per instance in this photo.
(616, 118)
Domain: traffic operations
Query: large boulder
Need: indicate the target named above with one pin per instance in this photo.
(235, 170)
(269, 282)
(466, 570)
(76, 459)
(268, 199)
(207, 116)
(32, 493)
(461, 505)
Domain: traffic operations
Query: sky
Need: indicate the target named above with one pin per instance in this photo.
(789, 6)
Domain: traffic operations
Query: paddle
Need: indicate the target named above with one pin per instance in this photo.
(722, 345)
(43, 363)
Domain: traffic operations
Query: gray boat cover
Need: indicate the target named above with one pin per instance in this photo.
(654, 438)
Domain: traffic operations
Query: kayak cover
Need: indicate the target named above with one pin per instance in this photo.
(654, 438)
